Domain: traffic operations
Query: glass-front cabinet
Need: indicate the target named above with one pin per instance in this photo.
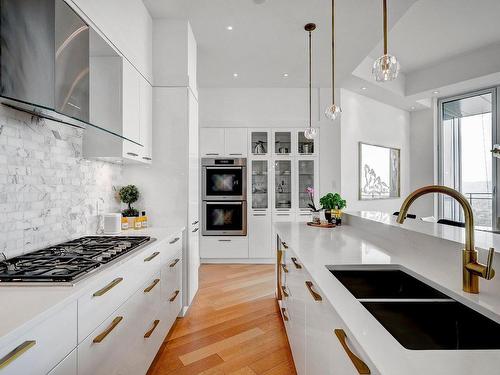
(283, 144)
(306, 177)
(259, 143)
(283, 185)
(260, 185)
(305, 146)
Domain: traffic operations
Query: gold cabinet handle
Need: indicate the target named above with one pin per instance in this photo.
(108, 287)
(108, 330)
(153, 284)
(283, 288)
(284, 244)
(360, 366)
(297, 265)
(285, 317)
(174, 240)
(284, 268)
(174, 262)
(16, 353)
(174, 296)
(316, 295)
(152, 256)
(150, 332)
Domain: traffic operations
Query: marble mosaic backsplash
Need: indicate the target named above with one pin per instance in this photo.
(48, 192)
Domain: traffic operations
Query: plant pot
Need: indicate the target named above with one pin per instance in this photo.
(337, 215)
(315, 217)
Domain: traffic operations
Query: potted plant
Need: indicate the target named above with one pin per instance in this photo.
(332, 204)
(312, 206)
(129, 194)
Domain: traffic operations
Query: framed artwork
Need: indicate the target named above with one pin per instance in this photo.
(379, 172)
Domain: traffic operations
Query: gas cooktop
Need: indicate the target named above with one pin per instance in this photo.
(68, 262)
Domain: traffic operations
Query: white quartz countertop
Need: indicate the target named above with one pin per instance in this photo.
(429, 253)
(24, 306)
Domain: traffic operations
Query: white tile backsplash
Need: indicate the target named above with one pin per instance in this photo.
(48, 192)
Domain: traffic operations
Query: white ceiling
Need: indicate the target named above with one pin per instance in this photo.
(268, 39)
(436, 30)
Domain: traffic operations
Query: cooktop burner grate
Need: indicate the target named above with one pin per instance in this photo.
(67, 261)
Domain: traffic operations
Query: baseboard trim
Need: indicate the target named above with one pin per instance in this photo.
(237, 261)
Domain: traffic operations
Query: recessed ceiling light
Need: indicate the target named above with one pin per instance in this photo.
(363, 88)
(235, 75)
(435, 92)
(229, 28)
(412, 108)
(285, 74)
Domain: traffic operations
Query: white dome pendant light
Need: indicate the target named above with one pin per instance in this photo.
(310, 132)
(386, 67)
(333, 111)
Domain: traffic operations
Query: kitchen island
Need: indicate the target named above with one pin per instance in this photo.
(331, 332)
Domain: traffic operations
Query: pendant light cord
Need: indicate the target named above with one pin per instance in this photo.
(333, 51)
(385, 27)
(310, 80)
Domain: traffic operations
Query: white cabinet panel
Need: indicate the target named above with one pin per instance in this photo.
(212, 141)
(146, 120)
(224, 247)
(131, 103)
(45, 345)
(235, 140)
(68, 366)
(259, 235)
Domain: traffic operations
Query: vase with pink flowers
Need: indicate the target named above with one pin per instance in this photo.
(314, 211)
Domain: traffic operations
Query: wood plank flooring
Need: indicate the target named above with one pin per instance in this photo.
(233, 327)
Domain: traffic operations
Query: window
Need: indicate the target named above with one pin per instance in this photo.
(467, 132)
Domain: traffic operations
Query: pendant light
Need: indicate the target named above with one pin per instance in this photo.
(310, 132)
(333, 111)
(386, 67)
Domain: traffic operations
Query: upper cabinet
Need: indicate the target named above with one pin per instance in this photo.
(223, 142)
(131, 103)
(258, 142)
(146, 119)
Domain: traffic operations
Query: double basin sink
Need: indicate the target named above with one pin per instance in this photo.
(418, 316)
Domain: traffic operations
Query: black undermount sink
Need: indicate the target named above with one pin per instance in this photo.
(418, 316)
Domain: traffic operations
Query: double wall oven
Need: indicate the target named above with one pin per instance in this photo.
(224, 195)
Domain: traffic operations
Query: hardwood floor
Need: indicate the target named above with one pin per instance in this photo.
(233, 327)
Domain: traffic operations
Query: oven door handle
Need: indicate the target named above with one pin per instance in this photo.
(225, 203)
(225, 167)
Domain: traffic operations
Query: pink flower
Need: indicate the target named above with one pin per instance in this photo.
(310, 190)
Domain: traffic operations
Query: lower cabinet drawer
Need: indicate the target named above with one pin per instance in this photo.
(43, 347)
(68, 365)
(115, 347)
(171, 289)
(228, 247)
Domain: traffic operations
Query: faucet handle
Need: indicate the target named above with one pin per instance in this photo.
(490, 272)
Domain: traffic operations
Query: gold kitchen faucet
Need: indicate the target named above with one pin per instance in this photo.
(471, 269)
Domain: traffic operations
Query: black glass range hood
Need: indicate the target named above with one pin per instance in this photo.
(45, 62)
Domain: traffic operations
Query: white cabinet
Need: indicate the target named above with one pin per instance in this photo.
(223, 142)
(131, 103)
(235, 140)
(227, 247)
(146, 120)
(68, 366)
(259, 235)
(43, 347)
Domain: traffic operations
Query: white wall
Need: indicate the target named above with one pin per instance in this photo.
(276, 108)
(366, 120)
(422, 159)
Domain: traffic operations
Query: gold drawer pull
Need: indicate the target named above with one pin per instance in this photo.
(153, 284)
(316, 295)
(150, 332)
(16, 353)
(175, 240)
(174, 262)
(285, 317)
(108, 330)
(284, 244)
(283, 288)
(174, 296)
(284, 268)
(360, 366)
(152, 256)
(297, 265)
(108, 287)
